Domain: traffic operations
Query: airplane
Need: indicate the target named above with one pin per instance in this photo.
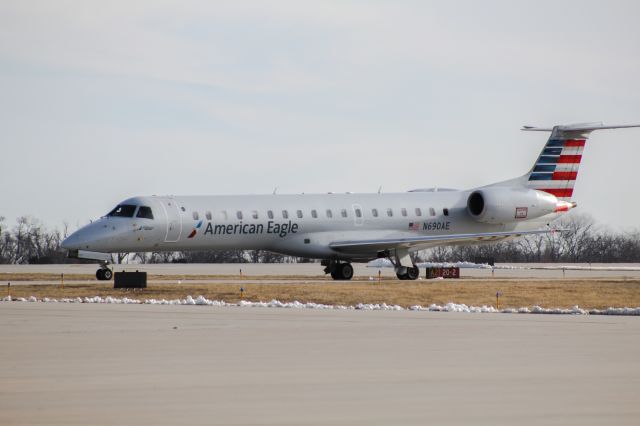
(340, 229)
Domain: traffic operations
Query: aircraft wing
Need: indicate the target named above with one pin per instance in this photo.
(366, 246)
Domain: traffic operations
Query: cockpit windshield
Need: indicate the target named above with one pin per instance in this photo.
(123, 210)
(145, 212)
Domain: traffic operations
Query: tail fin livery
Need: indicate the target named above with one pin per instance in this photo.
(556, 169)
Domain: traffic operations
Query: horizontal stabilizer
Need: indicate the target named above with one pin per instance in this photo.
(581, 127)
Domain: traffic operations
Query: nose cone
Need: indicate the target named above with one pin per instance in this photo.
(82, 239)
(71, 242)
(91, 237)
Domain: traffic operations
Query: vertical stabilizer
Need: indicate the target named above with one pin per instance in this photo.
(556, 169)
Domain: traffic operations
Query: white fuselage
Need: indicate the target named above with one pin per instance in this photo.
(344, 228)
(301, 225)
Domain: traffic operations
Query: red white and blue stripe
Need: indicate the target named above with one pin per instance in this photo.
(556, 169)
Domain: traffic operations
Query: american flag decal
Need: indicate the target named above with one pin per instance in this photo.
(414, 226)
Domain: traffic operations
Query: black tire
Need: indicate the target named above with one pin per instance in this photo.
(346, 271)
(100, 274)
(107, 274)
(413, 273)
(401, 273)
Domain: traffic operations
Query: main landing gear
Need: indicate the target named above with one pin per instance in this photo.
(339, 270)
(399, 258)
(408, 272)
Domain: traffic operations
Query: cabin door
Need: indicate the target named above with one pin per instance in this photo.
(174, 220)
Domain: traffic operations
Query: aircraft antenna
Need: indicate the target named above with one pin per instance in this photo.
(275, 190)
(380, 189)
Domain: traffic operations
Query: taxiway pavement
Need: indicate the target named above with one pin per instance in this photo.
(314, 270)
(78, 364)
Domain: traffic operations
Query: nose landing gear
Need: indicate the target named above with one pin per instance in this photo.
(104, 259)
(104, 274)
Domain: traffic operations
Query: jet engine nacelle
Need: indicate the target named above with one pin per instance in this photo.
(499, 205)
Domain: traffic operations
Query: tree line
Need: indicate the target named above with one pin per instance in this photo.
(582, 241)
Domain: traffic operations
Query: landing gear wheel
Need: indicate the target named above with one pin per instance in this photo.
(107, 274)
(401, 272)
(341, 271)
(413, 273)
(346, 271)
(408, 273)
(104, 274)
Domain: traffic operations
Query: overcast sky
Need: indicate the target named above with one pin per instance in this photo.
(100, 101)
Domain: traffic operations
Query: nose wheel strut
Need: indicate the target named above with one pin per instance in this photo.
(104, 273)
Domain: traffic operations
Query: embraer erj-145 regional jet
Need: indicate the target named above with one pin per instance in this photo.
(345, 228)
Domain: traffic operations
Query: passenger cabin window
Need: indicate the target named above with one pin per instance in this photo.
(445, 211)
(254, 214)
(343, 212)
(329, 213)
(418, 211)
(432, 211)
(195, 215)
(208, 215)
(358, 213)
(403, 211)
(223, 215)
(145, 212)
(390, 212)
(239, 214)
(374, 212)
(270, 214)
(123, 210)
(314, 214)
(285, 214)
(299, 213)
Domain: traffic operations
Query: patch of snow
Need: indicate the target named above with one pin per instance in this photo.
(386, 263)
(575, 310)
(449, 307)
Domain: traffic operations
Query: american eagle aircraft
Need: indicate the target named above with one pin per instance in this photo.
(344, 228)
